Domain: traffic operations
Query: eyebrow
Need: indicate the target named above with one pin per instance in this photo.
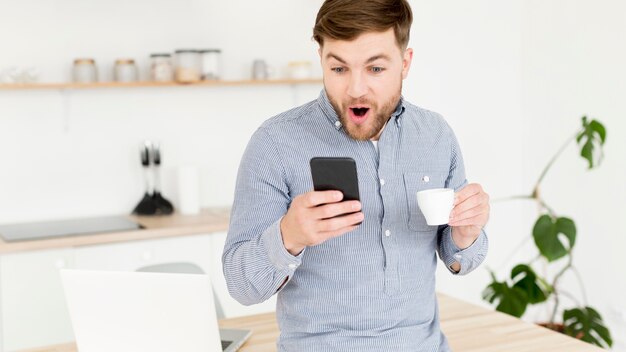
(371, 59)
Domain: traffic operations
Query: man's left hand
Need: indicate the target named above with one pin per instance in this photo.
(469, 215)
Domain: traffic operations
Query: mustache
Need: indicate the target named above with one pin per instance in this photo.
(359, 101)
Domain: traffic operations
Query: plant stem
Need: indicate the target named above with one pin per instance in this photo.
(580, 282)
(546, 207)
(503, 199)
(545, 170)
(514, 251)
(555, 291)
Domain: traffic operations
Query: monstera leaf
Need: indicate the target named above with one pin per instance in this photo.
(525, 279)
(587, 325)
(511, 300)
(592, 136)
(546, 233)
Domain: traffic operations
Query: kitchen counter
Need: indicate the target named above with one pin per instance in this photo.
(209, 220)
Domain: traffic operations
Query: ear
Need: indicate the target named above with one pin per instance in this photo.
(406, 62)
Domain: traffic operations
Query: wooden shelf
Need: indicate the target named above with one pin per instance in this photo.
(218, 83)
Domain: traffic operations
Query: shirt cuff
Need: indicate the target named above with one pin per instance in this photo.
(469, 258)
(272, 241)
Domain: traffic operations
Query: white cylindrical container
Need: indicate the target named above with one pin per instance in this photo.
(125, 70)
(84, 71)
(188, 66)
(210, 64)
(188, 190)
(161, 68)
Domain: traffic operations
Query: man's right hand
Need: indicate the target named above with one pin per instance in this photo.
(311, 219)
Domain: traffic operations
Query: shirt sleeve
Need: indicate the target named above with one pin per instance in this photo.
(255, 262)
(471, 257)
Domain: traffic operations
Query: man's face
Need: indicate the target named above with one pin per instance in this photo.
(363, 80)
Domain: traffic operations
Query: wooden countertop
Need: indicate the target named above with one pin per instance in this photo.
(209, 220)
(469, 328)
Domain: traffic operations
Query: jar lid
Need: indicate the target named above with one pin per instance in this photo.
(124, 62)
(180, 51)
(83, 61)
(210, 51)
(299, 63)
(161, 55)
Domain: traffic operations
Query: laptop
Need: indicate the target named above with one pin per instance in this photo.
(144, 311)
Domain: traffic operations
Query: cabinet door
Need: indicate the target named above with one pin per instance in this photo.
(231, 307)
(130, 256)
(32, 303)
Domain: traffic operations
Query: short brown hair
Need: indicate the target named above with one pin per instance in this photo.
(347, 19)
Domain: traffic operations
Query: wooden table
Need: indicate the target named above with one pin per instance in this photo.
(469, 328)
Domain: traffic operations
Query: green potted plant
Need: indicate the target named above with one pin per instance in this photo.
(554, 237)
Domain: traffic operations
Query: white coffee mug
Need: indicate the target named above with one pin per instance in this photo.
(436, 205)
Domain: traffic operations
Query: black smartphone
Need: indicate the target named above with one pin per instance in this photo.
(335, 174)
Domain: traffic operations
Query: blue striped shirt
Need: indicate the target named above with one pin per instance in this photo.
(372, 289)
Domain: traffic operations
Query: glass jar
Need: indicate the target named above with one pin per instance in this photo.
(84, 71)
(299, 69)
(161, 69)
(188, 66)
(125, 70)
(211, 64)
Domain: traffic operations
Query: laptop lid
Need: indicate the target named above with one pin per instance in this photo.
(144, 311)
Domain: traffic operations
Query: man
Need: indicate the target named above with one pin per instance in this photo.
(343, 286)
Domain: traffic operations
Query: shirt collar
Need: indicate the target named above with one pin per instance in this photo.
(331, 114)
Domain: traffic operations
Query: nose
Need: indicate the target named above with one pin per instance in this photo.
(357, 86)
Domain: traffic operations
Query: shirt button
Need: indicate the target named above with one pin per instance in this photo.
(457, 256)
(293, 266)
(425, 178)
(338, 124)
(382, 182)
(387, 233)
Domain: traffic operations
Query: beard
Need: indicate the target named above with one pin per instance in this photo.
(374, 123)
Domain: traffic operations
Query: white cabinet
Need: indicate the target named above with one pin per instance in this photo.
(130, 256)
(33, 306)
(34, 312)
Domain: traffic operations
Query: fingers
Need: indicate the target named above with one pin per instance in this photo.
(478, 220)
(315, 198)
(479, 200)
(340, 222)
(474, 212)
(315, 217)
(471, 207)
(327, 211)
(466, 192)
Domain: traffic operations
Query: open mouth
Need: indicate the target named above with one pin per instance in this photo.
(359, 114)
(360, 111)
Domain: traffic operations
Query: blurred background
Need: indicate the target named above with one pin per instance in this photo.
(513, 78)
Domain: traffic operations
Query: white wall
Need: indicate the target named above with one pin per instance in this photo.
(512, 78)
(574, 56)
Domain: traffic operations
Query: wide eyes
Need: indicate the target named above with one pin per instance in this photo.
(373, 69)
